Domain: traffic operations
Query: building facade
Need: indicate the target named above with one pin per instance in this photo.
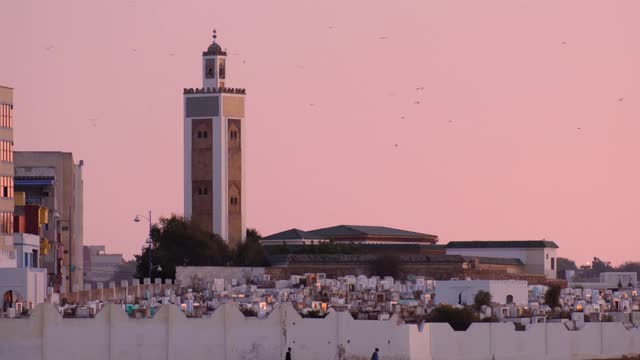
(52, 180)
(537, 256)
(7, 250)
(213, 150)
(100, 266)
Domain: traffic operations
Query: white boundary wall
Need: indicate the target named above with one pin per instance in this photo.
(229, 335)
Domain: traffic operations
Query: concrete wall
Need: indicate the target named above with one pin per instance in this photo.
(227, 334)
(207, 274)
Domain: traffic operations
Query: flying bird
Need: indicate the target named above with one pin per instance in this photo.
(620, 99)
(332, 27)
(420, 88)
(383, 37)
(564, 43)
(396, 145)
(401, 117)
(416, 102)
(92, 122)
(49, 48)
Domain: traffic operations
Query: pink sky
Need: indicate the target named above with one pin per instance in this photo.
(511, 164)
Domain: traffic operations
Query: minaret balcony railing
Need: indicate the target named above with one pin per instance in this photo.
(214, 90)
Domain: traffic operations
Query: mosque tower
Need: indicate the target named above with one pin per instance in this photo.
(213, 146)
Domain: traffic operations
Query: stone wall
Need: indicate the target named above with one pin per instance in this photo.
(431, 271)
(228, 335)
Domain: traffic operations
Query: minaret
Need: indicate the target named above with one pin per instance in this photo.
(213, 147)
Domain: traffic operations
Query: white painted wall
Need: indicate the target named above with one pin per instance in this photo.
(449, 291)
(25, 243)
(7, 258)
(29, 283)
(228, 335)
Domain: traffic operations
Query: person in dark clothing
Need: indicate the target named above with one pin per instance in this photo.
(374, 356)
(288, 354)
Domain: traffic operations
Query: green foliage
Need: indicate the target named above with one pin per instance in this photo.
(179, 242)
(563, 264)
(482, 298)
(248, 312)
(552, 296)
(386, 265)
(251, 252)
(314, 314)
(459, 318)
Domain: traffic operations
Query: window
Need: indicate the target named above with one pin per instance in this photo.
(206, 191)
(6, 147)
(26, 260)
(6, 186)
(509, 299)
(199, 134)
(199, 191)
(547, 256)
(6, 222)
(6, 116)
(553, 263)
(205, 134)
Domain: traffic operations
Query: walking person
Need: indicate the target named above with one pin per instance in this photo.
(374, 356)
(287, 356)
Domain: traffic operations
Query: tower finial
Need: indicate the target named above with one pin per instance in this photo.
(215, 36)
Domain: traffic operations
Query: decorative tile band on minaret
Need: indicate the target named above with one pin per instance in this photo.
(213, 150)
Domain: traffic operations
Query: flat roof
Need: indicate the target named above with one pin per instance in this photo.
(524, 244)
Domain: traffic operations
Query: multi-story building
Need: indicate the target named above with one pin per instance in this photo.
(7, 250)
(537, 256)
(100, 266)
(53, 180)
(213, 149)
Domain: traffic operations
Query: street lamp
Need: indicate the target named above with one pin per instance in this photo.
(139, 218)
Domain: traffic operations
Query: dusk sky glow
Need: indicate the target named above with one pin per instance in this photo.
(472, 120)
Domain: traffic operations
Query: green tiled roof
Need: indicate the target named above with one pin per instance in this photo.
(293, 234)
(359, 230)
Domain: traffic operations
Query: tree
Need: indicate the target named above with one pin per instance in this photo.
(386, 265)
(179, 242)
(482, 298)
(459, 318)
(564, 264)
(552, 296)
(251, 252)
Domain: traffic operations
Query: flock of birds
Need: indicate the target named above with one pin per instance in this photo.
(93, 121)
